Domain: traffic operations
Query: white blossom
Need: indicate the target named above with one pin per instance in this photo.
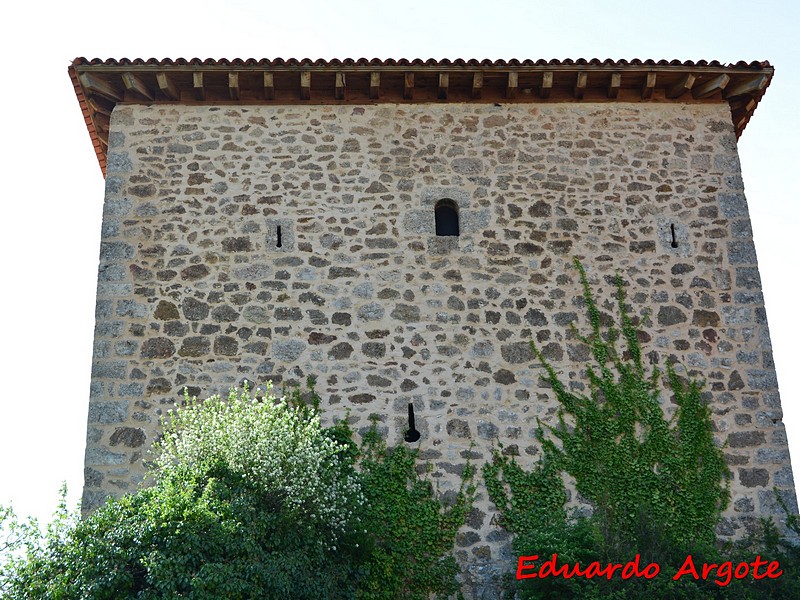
(282, 450)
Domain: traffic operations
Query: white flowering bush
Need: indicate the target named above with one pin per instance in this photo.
(250, 497)
(280, 450)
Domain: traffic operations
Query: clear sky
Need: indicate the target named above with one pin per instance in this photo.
(52, 187)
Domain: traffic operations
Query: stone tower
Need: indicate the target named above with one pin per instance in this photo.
(271, 220)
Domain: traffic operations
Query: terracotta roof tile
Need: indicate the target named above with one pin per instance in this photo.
(263, 62)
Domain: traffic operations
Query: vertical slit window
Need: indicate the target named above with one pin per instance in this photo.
(278, 240)
(411, 435)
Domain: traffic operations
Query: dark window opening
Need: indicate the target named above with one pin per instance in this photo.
(674, 241)
(279, 241)
(411, 435)
(446, 214)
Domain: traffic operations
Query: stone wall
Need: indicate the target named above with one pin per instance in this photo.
(195, 291)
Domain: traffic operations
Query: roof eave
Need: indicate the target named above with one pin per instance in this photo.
(101, 85)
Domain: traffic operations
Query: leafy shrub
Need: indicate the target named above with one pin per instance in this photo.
(250, 498)
(281, 451)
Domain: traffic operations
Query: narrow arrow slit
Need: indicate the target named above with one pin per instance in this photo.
(412, 435)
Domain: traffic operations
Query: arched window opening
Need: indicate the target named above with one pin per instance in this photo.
(446, 214)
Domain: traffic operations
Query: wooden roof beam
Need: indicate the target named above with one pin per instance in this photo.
(649, 86)
(374, 85)
(614, 85)
(477, 85)
(233, 85)
(95, 85)
(513, 85)
(746, 86)
(580, 85)
(269, 86)
(746, 103)
(102, 122)
(102, 137)
(408, 85)
(167, 86)
(339, 86)
(711, 87)
(305, 85)
(100, 105)
(444, 84)
(547, 84)
(133, 83)
(197, 84)
(684, 85)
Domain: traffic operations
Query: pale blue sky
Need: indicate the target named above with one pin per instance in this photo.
(53, 189)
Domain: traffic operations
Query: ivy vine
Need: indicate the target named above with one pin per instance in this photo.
(645, 475)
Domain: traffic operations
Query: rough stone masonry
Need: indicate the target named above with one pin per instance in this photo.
(277, 242)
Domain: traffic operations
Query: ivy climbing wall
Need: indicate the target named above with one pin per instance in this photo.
(275, 243)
